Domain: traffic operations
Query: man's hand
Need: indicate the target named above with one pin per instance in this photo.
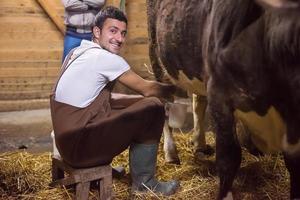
(167, 91)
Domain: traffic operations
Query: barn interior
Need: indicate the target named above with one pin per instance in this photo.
(30, 58)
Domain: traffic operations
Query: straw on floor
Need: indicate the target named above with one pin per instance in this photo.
(26, 176)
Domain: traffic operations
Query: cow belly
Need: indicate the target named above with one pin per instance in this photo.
(194, 85)
(266, 131)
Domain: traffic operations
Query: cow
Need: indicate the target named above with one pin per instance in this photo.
(243, 56)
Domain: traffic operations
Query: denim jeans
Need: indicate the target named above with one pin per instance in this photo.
(72, 40)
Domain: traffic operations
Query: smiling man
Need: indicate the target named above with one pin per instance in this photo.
(90, 127)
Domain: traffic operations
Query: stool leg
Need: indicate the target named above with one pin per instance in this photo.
(56, 172)
(105, 189)
(82, 190)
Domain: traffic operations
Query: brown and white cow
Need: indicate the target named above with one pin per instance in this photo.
(187, 80)
(248, 55)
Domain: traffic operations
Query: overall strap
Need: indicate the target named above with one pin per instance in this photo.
(67, 59)
(63, 68)
(67, 62)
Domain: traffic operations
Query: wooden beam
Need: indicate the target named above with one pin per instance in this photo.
(52, 13)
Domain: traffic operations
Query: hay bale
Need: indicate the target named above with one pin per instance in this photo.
(26, 176)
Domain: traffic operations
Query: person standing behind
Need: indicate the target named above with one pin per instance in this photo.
(78, 18)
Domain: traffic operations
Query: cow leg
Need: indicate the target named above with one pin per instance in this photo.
(151, 19)
(228, 150)
(170, 150)
(198, 140)
(293, 164)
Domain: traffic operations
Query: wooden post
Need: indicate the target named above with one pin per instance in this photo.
(115, 3)
(122, 5)
(52, 13)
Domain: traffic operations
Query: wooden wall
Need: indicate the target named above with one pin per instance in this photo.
(31, 48)
(30, 55)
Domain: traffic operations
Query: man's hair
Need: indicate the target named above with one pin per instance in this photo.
(109, 12)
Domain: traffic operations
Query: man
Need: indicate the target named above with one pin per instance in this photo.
(90, 127)
(79, 17)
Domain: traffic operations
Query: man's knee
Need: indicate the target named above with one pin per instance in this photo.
(157, 111)
(155, 103)
(154, 113)
(156, 107)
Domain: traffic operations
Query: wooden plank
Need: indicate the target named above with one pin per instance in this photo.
(21, 11)
(57, 3)
(17, 88)
(113, 2)
(52, 13)
(33, 83)
(32, 23)
(28, 72)
(137, 40)
(24, 20)
(24, 82)
(60, 9)
(16, 3)
(17, 105)
(137, 48)
(27, 80)
(33, 44)
(136, 14)
(31, 54)
(21, 88)
(35, 27)
(29, 63)
(137, 57)
(36, 94)
(32, 35)
(36, 83)
(140, 25)
(133, 33)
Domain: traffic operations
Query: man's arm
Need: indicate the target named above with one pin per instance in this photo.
(96, 4)
(75, 5)
(145, 87)
(119, 101)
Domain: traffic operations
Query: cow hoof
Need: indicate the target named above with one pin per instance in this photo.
(172, 159)
(176, 162)
(228, 196)
(207, 151)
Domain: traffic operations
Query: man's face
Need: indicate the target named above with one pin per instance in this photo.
(112, 35)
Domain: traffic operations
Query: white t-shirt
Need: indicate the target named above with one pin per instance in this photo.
(88, 75)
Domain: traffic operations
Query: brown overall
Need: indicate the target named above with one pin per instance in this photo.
(94, 135)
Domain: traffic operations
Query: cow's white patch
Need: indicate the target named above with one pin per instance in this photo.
(191, 85)
(266, 131)
(292, 149)
(228, 196)
(278, 4)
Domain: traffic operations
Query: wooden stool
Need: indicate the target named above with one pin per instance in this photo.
(82, 178)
